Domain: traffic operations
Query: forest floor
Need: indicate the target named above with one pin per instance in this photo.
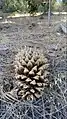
(15, 33)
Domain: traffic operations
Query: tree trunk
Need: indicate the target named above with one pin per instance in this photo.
(49, 13)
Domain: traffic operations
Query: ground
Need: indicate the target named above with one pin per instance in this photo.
(15, 33)
(32, 31)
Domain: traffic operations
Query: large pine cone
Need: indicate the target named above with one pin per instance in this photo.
(32, 73)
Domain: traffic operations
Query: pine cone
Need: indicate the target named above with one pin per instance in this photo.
(31, 72)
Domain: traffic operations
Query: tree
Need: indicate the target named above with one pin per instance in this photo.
(64, 4)
(15, 5)
(30, 6)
